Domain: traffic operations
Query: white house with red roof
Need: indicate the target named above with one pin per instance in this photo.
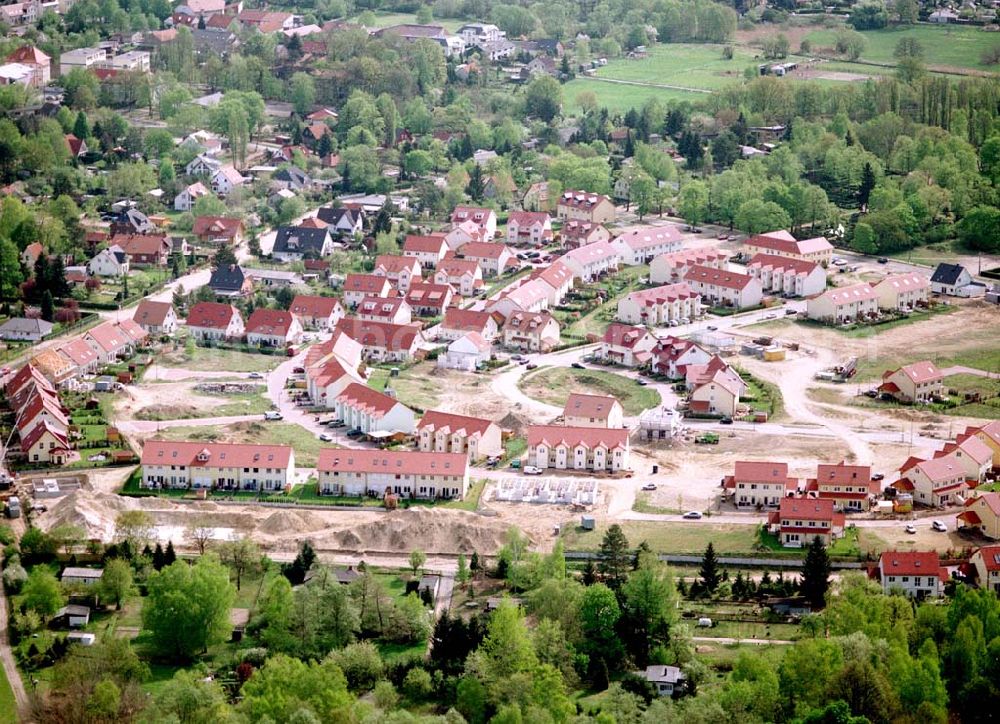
(316, 312)
(402, 271)
(215, 321)
(583, 410)
(226, 178)
(850, 486)
(715, 390)
(428, 250)
(902, 291)
(492, 258)
(81, 355)
(532, 228)
(532, 295)
(799, 521)
(394, 310)
(626, 345)
(445, 432)
(368, 410)
(221, 230)
(382, 341)
(917, 382)
(39, 62)
(467, 353)
(787, 276)
(46, 443)
(986, 562)
(585, 206)
(559, 278)
(917, 574)
(759, 483)
(671, 268)
(659, 306)
(458, 322)
(530, 331)
(724, 288)
(593, 260)
(114, 340)
(642, 244)
(781, 243)
(427, 299)
(464, 233)
(273, 328)
(989, 434)
(185, 200)
(463, 275)
(156, 317)
(982, 514)
(485, 219)
(576, 233)
(327, 377)
(975, 457)
(409, 474)
(842, 305)
(216, 465)
(359, 286)
(937, 482)
(672, 356)
(593, 449)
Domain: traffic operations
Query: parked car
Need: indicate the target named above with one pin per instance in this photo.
(531, 470)
(883, 260)
(577, 366)
(649, 486)
(641, 382)
(692, 515)
(939, 526)
(726, 421)
(878, 476)
(325, 437)
(299, 370)
(839, 261)
(790, 312)
(273, 415)
(255, 376)
(911, 529)
(531, 366)
(712, 328)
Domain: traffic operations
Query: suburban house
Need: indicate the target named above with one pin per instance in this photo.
(185, 200)
(583, 410)
(671, 268)
(850, 487)
(725, 288)
(532, 228)
(428, 250)
(917, 382)
(39, 63)
(954, 280)
(218, 230)
(359, 286)
(22, 329)
(109, 262)
(44, 443)
(986, 562)
(918, 574)
(363, 408)
(660, 306)
(902, 291)
(330, 366)
(786, 276)
(559, 278)
(315, 312)
(291, 178)
(592, 261)
(458, 322)
(383, 342)
(972, 454)
(530, 331)
(202, 165)
(394, 310)
(715, 388)
(989, 434)
(143, 250)
(402, 271)
(641, 245)
(584, 206)
(842, 305)
(273, 328)
(294, 243)
(462, 234)
(229, 280)
(759, 484)
(156, 317)
(423, 475)
(226, 178)
(464, 275)
(781, 243)
(576, 233)
(427, 299)
(83, 576)
(467, 353)
(216, 465)
(82, 356)
(215, 321)
(626, 345)
(937, 482)
(673, 355)
(492, 258)
(982, 514)
(667, 680)
(578, 448)
(798, 521)
(114, 340)
(484, 219)
(342, 220)
(444, 432)
(532, 295)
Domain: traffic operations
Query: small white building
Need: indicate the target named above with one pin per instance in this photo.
(467, 353)
(643, 244)
(109, 262)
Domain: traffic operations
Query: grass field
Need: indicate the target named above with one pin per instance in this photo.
(248, 403)
(8, 711)
(414, 384)
(305, 444)
(384, 20)
(944, 46)
(553, 385)
(984, 357)
(205, 359)
(620, 97)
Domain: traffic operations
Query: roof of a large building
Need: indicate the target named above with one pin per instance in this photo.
(785, 242)
(911, 563)
(397, 462)
(270, 322)
(717, 277)
(597, 406)
(152, 313)
(383, 335)
(454, 423)
(215, 454)
(588, 437)
(772, 261)
(363, 397)
(308, 305)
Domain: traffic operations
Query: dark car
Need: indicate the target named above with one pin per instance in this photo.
(726, 421)
(883, 260)
(531, 366)
(641, 382)
(577, 366)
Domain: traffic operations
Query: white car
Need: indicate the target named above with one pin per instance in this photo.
(911, 529)
(840, 261)
(532, 470)
(692, 515)
(939, 526)
(273, 415)
(255, 376)
(325, 438)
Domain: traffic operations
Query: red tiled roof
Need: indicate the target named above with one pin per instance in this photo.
(141, 243)
(624, 335)
(782, 241)
(853, 293)
(423, 244)
(644, 236)
(457, 267)
(970, 516)
(40, 429)
(920, 372)
(807, 509)
(589, 437)
(152, 313)
(596, 406)
(307, 305)
(211, 315)
(384, 335)
(79, 352)
(760, 472)
(385, 461)
(843, 474)
(527, 218)
(270, 322)
(368, 283)
(799, 266)
(910, 563)
(483, 250)
(217, 226)
(476, 214)
(454, 423)
(990, 556)
(109, 337)
(581, 199)
(363, 397)
(466, 320)
(718, 277)
(426, 294)
(666, 293)
(230, 455)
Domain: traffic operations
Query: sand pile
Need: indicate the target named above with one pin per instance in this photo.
(291, 523)
(513, 422)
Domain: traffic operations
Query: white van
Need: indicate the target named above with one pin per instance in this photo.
(273, 415)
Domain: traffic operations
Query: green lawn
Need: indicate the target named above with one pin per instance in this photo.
(596, 321)
(206, 359)
(305, 444)
(618, 97)
(750, 630)
(762, 395)
(698, 66)
(945, 46)
(385, 19)
(248, 403)
(553, 386)
(415, 385)
(985, 356)
(8, 711)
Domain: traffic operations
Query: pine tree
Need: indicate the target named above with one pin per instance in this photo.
(709, 570)
(614, 557)
(477, 186)
(57, 277)
(158, 558)
(629, 151)
(81, 128)
(175, 268)
(168, 555)
(345, 179)
(474, 562)
(816, 573)
(462, 574)
(48, 307)
(867, 184)
(589, 573)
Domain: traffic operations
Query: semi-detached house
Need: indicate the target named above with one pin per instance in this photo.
(591, 449)
(917, 382)
(444, 432)
(382, 341)
(626, 345)
(672, 356)
(428, 250)
(583, 410)
(936, 482)
(724, 288)
(902, 291)
(273, 328)
(464, 275)
(422, 475)
(982, 514)
(763, 484)
(585, 206)
(492, 258)
(671, 268)
(986, 562)
(643, 244)
(592, 261)
(219, 466)
(402, 271)
(660, 306)
(918, 574)
(531, 331)
(459, 322)
(484, 219)
(786, 276)
(842, 305)
(215, 321)
(529, 228)
(798, 521)
(370, 411)
(359, 286)
(850, 486)
(394, 310)
(315, 312)
(781, 243)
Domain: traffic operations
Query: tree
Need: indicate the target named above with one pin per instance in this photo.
(649, 597)
(599, 614)
(709, 572)
(186, 609)
(979, 229)
(48, 306)
(134, 528)
(417, 559)
(693, 202)
(81, 127)
(755, 216)
(241, 555)
(816, 573)
(303, 93)
(614, 556)
(477, 186)
(284, 687)
(864, 239)
(543, 98)
(507, 649)
(42, 593)
(868, 15)
(116, 582)
(10, 269)
(462, 575)
(158, 561)
(296, 571)
(191, 698)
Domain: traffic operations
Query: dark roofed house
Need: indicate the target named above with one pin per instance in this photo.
(230, 281)
(954, 280)
(291, 178)
(294, 243)
(132, 221)
(341, 219)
